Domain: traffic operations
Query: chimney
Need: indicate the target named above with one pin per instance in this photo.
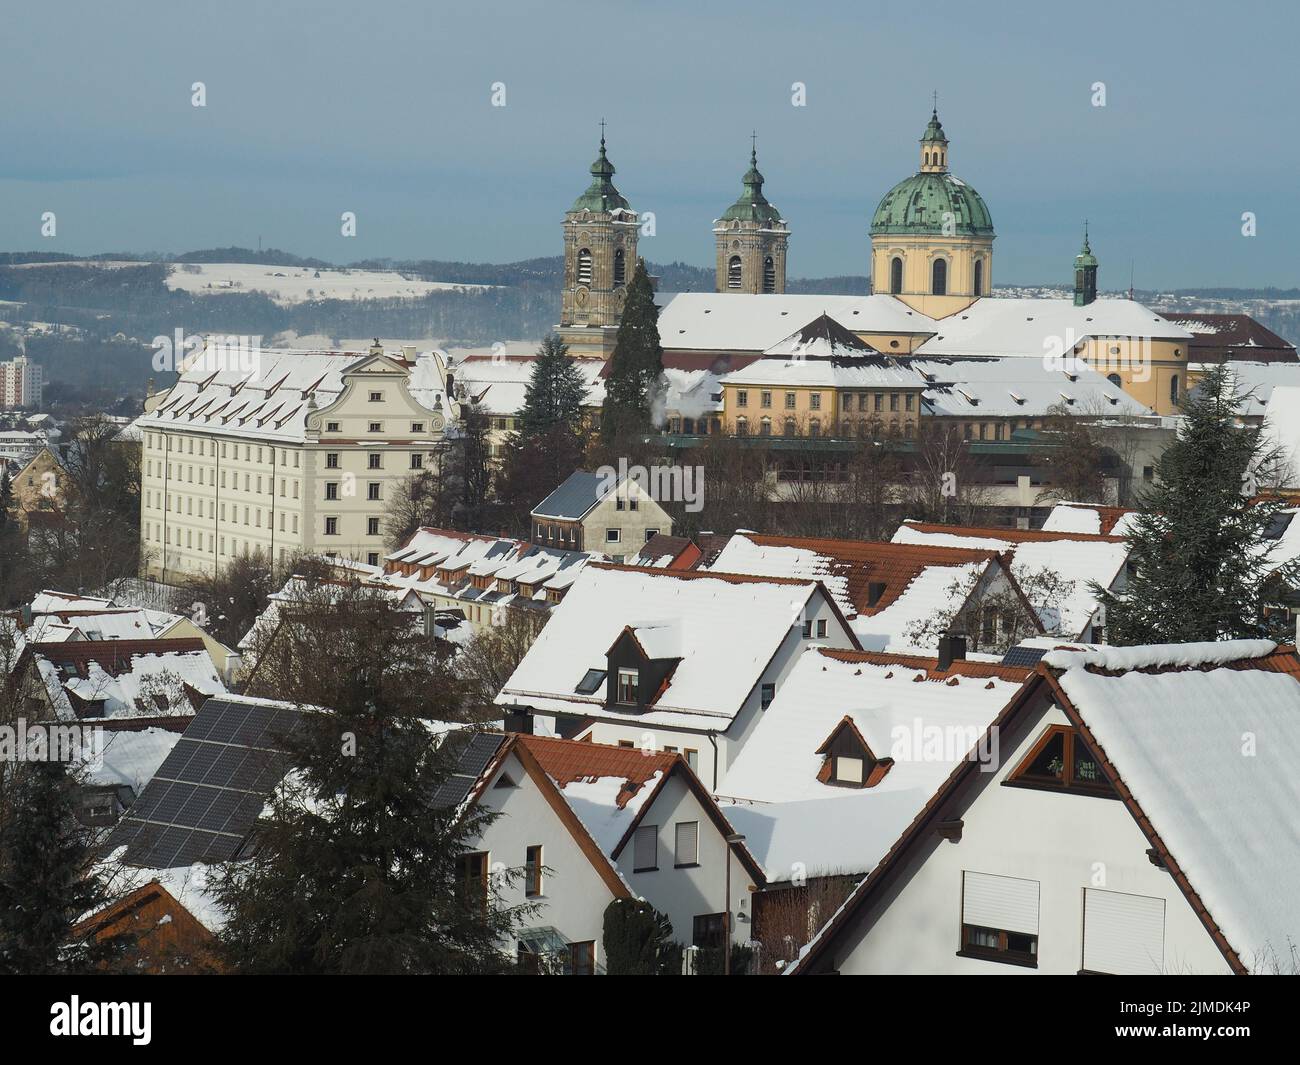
(408, 352)
(519, 720)
(875, 589)
(952, 648)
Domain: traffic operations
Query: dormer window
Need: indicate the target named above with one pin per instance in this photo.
(628, 683)
(1061, 761)
(848, 761)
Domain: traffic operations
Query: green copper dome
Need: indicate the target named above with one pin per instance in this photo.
(918, 204)
(752, 205)
(601, 194)
(934, 130)
(1085, 256)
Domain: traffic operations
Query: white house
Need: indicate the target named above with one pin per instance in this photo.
(587, 823)
(679, 661)
(892, 593)
(1139, 818)
(1053, 568)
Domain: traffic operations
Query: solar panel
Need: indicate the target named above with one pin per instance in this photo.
(206, 796)
(476, 751)
(1023, 656)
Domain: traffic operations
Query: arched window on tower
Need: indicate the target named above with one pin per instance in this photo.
(769, 274)
(620, 267)
(733, 272)
(896, 275)
(927, 158)
(584, 266)
(939, 278)
(1115, 380)
(1173, 389)
(979, 277)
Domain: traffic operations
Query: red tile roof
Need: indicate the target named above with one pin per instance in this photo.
(959, 668)
(865, 562)
(1014, 536)
(567, 761)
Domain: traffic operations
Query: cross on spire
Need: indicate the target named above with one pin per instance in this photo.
(753, 147)
(602, 133)
(936, 101)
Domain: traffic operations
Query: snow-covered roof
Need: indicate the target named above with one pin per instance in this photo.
(1282, 428)
(1074, 558)
(265, 394)
(914, 582)
(499, 384)
(135, 678)
(740, 322)
(730, 628)
(131, 758)
(1172, 725)
(1042, 327)
(887, 697)
(904, 707)
(1015, 387)
(1090, 518)
(1255, 381)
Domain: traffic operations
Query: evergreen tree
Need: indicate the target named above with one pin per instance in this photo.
(635, 385)
(555, 393)
(48, 879)
(357, 867)
(14, 568)
(548, 445)
(638, 940)
(1200, 566)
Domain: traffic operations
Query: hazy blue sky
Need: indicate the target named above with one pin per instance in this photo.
(383, 108)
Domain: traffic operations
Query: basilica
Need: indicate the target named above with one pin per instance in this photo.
(931, 273)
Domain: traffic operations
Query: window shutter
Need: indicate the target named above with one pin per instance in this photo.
(1123, 934)
(645, 847)
(1003, 902)
(687, 849)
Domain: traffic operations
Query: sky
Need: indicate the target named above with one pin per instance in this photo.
(385, 109)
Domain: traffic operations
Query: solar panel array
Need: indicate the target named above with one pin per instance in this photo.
(475, 751)
(1023, 656)
(207, 794)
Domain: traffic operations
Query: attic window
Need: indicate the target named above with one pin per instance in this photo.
(847, 760)
(1061, 761)
(591, 682)
(628, 683)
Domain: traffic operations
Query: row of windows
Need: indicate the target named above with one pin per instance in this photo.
(686, 847)
(735, 273)
(161, 442)
(373, 427)
(938, 277)
(252, 515)
(862, 428)
(253, 483)
(585, 266)
(877, 400)
(374, 460)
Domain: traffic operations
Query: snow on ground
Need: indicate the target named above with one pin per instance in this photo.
(288, 285)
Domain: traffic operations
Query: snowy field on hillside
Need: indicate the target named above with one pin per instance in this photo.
(288, 285)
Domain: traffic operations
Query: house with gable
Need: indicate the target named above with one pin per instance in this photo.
(591, 512)
(588, 823)
(678, 661)
(1137, 818)
(897, 597)
(1054, 569)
